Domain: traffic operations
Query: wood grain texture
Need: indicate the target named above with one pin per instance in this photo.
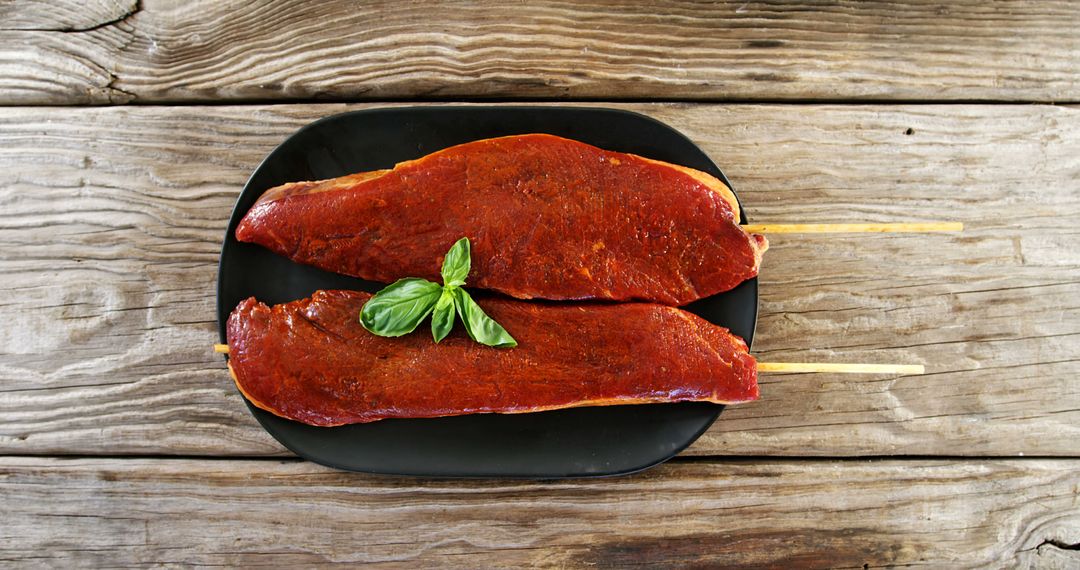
(1016, 514)
(111, 222)
(172, 50)
(63, 15)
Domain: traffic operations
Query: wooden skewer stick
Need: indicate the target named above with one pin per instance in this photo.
(853, 228)
(841, 368)
(792, 366)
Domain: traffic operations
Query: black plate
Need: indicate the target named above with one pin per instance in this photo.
(566, 443)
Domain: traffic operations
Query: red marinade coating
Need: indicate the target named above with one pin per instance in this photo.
(311, 361)
(548, 218)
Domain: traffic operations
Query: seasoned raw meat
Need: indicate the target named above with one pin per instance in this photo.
(548, 218)
(311, 361)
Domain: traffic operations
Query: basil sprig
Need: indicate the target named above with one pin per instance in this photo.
(399, 308)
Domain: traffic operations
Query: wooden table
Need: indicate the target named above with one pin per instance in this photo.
(130, 127)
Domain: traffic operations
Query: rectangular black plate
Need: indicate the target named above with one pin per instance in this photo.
(578, 442)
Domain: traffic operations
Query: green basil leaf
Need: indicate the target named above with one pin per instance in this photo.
(457, 263)
(400, 307)
(481, 328)
(442, 319)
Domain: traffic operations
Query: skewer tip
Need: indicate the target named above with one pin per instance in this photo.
(221, 348)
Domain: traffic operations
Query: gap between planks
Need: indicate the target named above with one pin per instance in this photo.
(715, 458)
(559, 102)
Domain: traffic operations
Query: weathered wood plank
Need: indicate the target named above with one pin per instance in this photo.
(170, 50)
(807, 514)
(111, 220)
